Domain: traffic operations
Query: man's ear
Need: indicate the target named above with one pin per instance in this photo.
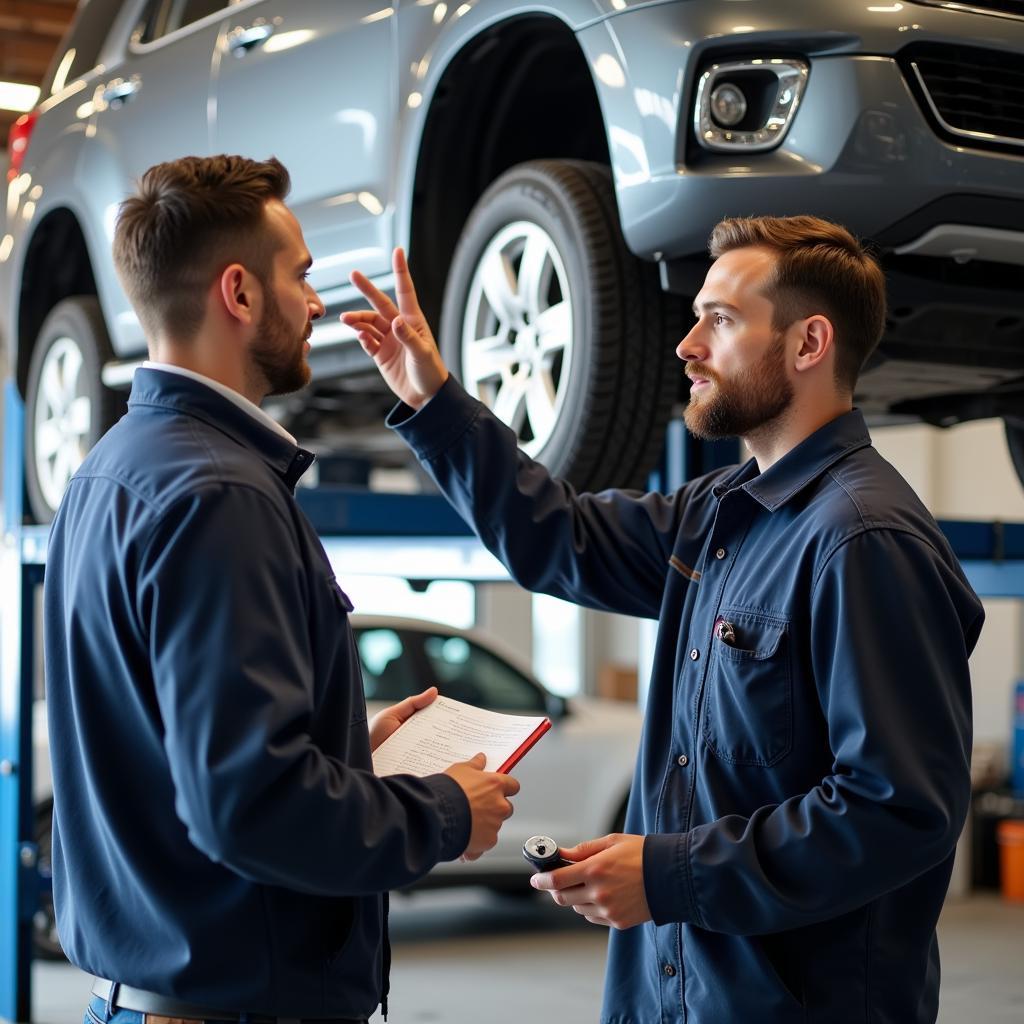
(817, 342)
(240, 294)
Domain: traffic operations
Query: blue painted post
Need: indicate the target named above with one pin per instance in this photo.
(17, 853)
(685, 457)
(14, 458)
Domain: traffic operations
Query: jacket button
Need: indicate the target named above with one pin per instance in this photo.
(720, 553)
(670, 971)
(682, 760)
(694, 654)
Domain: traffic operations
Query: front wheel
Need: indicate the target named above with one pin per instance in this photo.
(67, 406)
(566, 335)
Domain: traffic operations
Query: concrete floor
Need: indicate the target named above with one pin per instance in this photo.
(459, 952)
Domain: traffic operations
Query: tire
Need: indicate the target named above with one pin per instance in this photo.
(45, 944)
(1015, 442)
(581, 361)
(67, 408)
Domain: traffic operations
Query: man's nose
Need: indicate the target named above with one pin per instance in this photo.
(316, 307)
(689, 348)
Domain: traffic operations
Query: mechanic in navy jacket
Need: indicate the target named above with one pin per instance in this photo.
(804, 769)
(221, 846)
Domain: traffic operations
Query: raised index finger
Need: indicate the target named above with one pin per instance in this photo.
(405, 290)
(380, 302)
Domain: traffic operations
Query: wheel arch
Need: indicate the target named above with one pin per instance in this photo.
(524, 89)
(57, 265)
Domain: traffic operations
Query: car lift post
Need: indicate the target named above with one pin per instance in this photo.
(19, 878)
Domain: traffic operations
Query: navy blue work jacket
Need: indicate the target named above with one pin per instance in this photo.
(804, 769)
(218, 833)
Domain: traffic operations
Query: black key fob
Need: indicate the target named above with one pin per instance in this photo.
(542, 853)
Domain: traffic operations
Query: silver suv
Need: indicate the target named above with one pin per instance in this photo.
(555, 170)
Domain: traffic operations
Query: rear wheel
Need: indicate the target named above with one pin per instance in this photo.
(559, 329)
(67, 408)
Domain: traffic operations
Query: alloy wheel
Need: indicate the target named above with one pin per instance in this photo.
(517, 335)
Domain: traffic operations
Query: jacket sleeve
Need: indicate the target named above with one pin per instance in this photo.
(892, 627)
(223, 600)
(608, 551)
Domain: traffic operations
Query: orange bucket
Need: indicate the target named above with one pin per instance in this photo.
(1010, 837)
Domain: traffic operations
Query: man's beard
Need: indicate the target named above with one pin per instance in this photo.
(744, 405)
(278, 354)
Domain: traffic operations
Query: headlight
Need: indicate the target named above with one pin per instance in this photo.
(747, 105)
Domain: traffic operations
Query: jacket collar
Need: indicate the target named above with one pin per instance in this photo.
(186, 395)
(802, 465)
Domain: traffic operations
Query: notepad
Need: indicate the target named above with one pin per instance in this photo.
(449, 731)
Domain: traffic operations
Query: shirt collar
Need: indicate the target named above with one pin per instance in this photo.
(801, 465)
(230, 394)
(173, 387)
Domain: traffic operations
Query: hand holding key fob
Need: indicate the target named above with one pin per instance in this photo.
(542, 853)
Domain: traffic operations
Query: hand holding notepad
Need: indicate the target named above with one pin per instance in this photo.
(448, 731)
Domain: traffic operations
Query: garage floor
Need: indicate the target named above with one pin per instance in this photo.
(466, 956)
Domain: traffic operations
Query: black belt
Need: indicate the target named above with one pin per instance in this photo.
(138, 999)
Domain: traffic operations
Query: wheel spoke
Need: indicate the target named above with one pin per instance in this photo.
(48, 439)
(50, 385)
(80, 416)
(500, 286)
(540, 404)
(71, 364)
(508, 403)
(487, 358)
(534, 274)
(554, 327)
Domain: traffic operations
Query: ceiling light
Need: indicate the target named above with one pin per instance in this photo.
(14, 96)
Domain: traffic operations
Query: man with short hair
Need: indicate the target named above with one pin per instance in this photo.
(804, 769)
(221, 846)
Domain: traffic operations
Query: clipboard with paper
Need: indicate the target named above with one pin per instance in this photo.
(448, 731)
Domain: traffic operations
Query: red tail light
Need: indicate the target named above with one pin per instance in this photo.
(17, 142)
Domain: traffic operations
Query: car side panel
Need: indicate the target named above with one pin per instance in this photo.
(329, 69)
(49, 181)
(166, 118)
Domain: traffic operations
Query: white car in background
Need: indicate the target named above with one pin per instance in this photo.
(575, 781)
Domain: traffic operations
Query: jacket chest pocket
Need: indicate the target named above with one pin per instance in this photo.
(748, 696)
(337, 676)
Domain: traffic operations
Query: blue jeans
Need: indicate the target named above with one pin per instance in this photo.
(97, 1012)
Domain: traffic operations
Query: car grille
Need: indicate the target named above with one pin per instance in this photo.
(973, 93)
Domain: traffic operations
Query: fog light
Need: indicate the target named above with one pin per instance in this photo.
(728, 105)
(748, 105)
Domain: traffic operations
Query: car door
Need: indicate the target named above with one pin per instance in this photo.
(311, 82)
(151, 106)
